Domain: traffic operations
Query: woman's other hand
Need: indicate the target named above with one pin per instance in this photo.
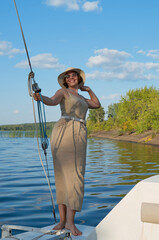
(85, 88)
(36, 97)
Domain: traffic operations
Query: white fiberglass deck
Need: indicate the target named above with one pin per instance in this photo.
(130, 219)
(30, 235)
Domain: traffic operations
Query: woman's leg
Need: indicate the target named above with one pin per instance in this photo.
(70, 222)
(62, 212)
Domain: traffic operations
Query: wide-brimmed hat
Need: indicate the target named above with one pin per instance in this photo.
(62, 75)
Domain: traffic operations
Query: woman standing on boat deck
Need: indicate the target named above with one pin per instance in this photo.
(68, 144)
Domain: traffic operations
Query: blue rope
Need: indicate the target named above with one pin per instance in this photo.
(42, 124)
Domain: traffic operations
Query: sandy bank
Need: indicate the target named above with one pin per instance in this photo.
(148, 137)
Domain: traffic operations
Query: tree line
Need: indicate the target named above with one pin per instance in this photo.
(137, 111)
(28, 128)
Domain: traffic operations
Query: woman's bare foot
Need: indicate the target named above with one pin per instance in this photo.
(74, 230)
(59, 226)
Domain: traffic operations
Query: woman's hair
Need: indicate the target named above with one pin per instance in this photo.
(79, 80)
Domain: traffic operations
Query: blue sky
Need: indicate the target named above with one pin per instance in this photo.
(115, 42)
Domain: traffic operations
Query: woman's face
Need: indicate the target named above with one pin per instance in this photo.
(72, 79)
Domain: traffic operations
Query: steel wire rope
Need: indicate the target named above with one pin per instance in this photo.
(42, 128)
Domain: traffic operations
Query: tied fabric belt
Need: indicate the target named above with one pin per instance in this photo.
(75, 119)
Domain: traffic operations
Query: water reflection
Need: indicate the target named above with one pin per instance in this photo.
(141, 160)
(112, 169)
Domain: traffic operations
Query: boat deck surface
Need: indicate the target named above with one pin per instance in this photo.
(86, 230)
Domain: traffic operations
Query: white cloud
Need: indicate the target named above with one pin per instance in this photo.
(106, 57)
(16, 111)
(116, 65)
(44, 60)
(69, 4)
(141, 52)
(154, 53)
(91, 6)
(114, 96)
(7, 49)
(74, 5)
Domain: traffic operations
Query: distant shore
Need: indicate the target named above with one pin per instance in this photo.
(149, 137)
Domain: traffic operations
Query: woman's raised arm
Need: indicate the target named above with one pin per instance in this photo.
(93, 102)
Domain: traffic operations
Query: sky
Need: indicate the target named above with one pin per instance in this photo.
(115, 42)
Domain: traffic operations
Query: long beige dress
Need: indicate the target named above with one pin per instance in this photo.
(68, 146)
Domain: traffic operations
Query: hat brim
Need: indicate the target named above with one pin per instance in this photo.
(78, 70)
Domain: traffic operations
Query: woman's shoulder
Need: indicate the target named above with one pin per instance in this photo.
(62, 91)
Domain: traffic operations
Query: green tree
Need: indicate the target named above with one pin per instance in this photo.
(137, 111)
(96, 115)
(112, 111)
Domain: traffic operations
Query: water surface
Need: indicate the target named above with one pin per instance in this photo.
(113, 168)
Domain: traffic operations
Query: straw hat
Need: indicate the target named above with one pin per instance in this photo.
(62, 75)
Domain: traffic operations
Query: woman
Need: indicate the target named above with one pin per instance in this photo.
(68, 144)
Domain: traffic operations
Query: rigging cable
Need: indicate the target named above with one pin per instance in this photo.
(33, 86)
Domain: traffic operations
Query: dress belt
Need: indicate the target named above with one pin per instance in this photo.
(75, 119)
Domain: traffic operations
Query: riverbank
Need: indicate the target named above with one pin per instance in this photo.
(149, 137)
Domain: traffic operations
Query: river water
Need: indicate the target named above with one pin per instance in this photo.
(113, 168)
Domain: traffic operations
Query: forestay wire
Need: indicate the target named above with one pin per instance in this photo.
(33, 86)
